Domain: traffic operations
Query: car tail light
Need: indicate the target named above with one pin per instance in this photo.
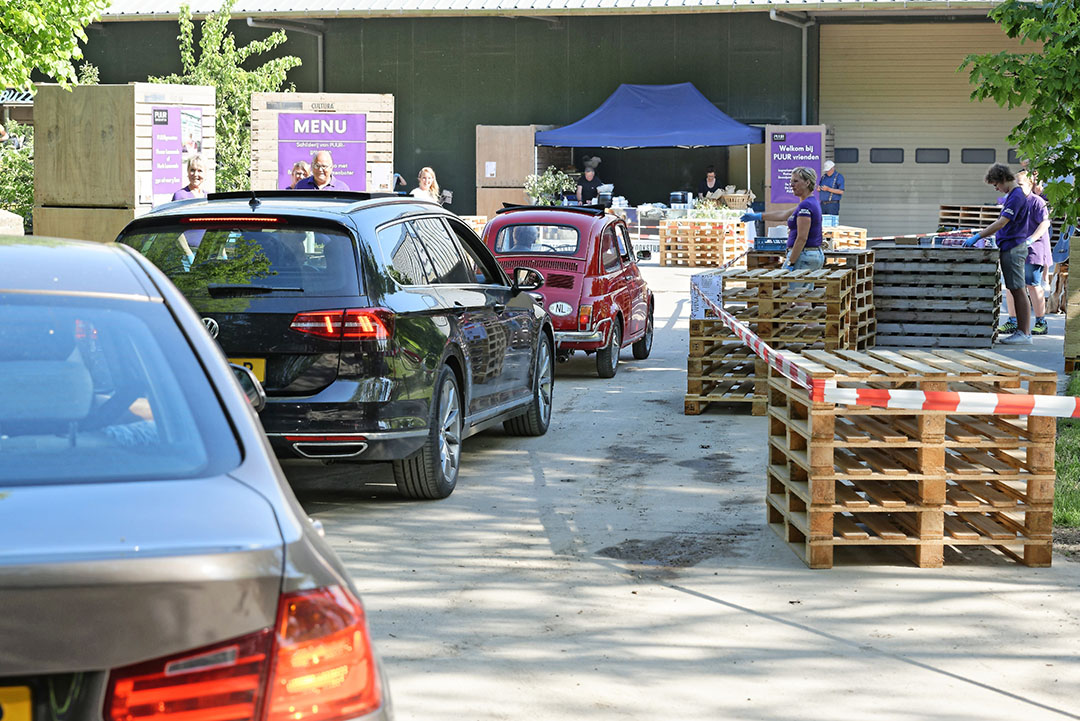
(584, 317)
(349, 324)
(315, 665)
(224, 682)
(324, 668)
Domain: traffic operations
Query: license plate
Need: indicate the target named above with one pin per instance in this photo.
(255, 365)
(15, 703)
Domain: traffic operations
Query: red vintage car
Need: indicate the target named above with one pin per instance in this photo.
(598, 301)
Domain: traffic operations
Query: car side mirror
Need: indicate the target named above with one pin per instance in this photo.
(250, 385)
(644, 255)
(526, 279)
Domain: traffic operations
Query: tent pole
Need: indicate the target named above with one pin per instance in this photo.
(748, 166)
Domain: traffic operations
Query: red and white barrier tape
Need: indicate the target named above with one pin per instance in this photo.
(826, 391)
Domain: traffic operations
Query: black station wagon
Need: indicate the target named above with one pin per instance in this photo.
(380, 326)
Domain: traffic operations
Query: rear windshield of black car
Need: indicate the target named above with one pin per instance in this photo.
(104, 390)
(271, 260)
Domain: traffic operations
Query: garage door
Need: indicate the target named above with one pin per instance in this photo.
(907, 137)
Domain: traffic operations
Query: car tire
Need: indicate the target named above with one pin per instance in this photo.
(607, 358)
(643, 347)
(432, 471)
(535, 421)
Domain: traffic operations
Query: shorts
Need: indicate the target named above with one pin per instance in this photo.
(1013, 261)
(809, 259)
(1034, 274)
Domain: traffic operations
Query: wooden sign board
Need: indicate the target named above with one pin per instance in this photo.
(356, 128)
(119, 146)
(788, 147)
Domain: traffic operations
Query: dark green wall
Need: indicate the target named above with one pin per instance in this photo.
(450, 74)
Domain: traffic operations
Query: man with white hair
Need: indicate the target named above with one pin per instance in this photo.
(322, 174)
(830, 189)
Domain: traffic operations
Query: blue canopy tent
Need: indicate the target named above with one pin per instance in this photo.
(655, 116)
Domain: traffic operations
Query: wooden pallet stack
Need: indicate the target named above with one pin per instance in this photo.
(839, 237)
(977, 217)
(476, 222)
(1072, 323)
(863, 318)
(695, 242)
(720, 367)
(936, 297)
(842, 476)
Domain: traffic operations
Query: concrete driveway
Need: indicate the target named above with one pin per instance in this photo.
(620, 568)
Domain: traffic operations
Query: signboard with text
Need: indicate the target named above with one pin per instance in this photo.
(344, 135)
(788, 150)
(176, 136)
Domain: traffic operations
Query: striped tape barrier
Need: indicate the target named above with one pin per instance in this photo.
(826, 391)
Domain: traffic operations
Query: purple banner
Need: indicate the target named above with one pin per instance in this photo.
(176, 136)
(789, 151)
(301, 135)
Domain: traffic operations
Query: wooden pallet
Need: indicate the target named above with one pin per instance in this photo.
(919, 480)
(694, 243)
(839, 237)
(935, 297)
(476, 222)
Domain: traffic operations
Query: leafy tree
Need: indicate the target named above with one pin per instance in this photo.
(17, 173)
(220, 64)
(43, 35)
(1048, 82)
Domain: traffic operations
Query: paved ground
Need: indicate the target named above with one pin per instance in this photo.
(620, 568)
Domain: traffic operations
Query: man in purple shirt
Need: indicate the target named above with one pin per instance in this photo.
(322, 174)
(1012, 232)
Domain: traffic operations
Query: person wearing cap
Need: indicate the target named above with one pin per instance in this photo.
(830, 189)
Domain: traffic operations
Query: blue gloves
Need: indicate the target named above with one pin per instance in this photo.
(970, 242)
(747, 217)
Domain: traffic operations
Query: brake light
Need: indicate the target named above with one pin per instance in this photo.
(324, 668)
(244, 219)
(584, 317)
(350, 324)
(224, 682)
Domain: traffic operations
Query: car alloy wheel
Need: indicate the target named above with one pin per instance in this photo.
(607, 359)
(449, 430)
(535, 420)
(432, 471)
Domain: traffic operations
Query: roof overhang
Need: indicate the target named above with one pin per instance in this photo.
(121, 10)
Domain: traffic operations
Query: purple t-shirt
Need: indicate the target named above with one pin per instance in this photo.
(809, 208)
(308, 183)
(185, 193)
(1016, 210)
(1039, 252)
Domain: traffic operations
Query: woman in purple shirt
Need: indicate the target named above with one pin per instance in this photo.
(196, 173)
(803, 221)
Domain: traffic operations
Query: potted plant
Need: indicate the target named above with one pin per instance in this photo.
(547, 189)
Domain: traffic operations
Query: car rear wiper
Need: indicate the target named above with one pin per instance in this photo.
(218, 290)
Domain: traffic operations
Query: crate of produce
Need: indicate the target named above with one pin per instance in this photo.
(914, 481)
(936, 297)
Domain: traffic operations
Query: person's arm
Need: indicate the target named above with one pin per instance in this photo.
(1039, 231)
(579, 193)
(802, 232)
(779, 215)
(987, 231)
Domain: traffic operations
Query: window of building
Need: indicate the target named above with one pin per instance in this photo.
(980, 156)
(846, 156)
(886, 155)
(931, 155)
(1014, 156)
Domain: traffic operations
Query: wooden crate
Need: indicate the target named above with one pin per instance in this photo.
(839, 237)
(505, 154)
(269, 157)
(695, 243)
(919, 481)
(96, 143)
(936, 297)
(490, 200)
(720, 369)
(100, 225)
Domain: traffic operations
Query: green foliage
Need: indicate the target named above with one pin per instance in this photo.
(220, 63)
(548, 188)
(43, 35)
(1048, 83)
(17, 173)
(89, 74)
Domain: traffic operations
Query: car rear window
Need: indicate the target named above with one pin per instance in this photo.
(533, 238)
(267, 260)
(104, 390)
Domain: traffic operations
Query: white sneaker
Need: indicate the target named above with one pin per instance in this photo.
(1017, 338)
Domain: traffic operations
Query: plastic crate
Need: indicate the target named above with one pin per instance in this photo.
(763, 242)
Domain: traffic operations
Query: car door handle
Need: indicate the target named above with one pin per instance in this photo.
(458, 308)
(499, 307)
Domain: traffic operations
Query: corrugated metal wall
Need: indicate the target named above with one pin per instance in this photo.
(896, 86)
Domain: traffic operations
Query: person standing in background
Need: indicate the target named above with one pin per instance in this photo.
(429, 186)
(322, 174)
(830, 189)
(1039, 258)
(196, 173)
(587, 186)
(1012, 232)
(710, 187)
(300, 170)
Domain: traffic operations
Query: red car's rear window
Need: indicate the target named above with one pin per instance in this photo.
(541, 239)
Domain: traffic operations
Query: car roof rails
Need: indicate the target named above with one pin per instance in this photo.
(345, 195)
(595, 210)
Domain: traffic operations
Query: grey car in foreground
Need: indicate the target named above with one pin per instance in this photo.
(154, 563)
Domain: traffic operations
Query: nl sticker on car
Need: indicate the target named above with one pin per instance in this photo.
(15, 703)
(255, 365)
